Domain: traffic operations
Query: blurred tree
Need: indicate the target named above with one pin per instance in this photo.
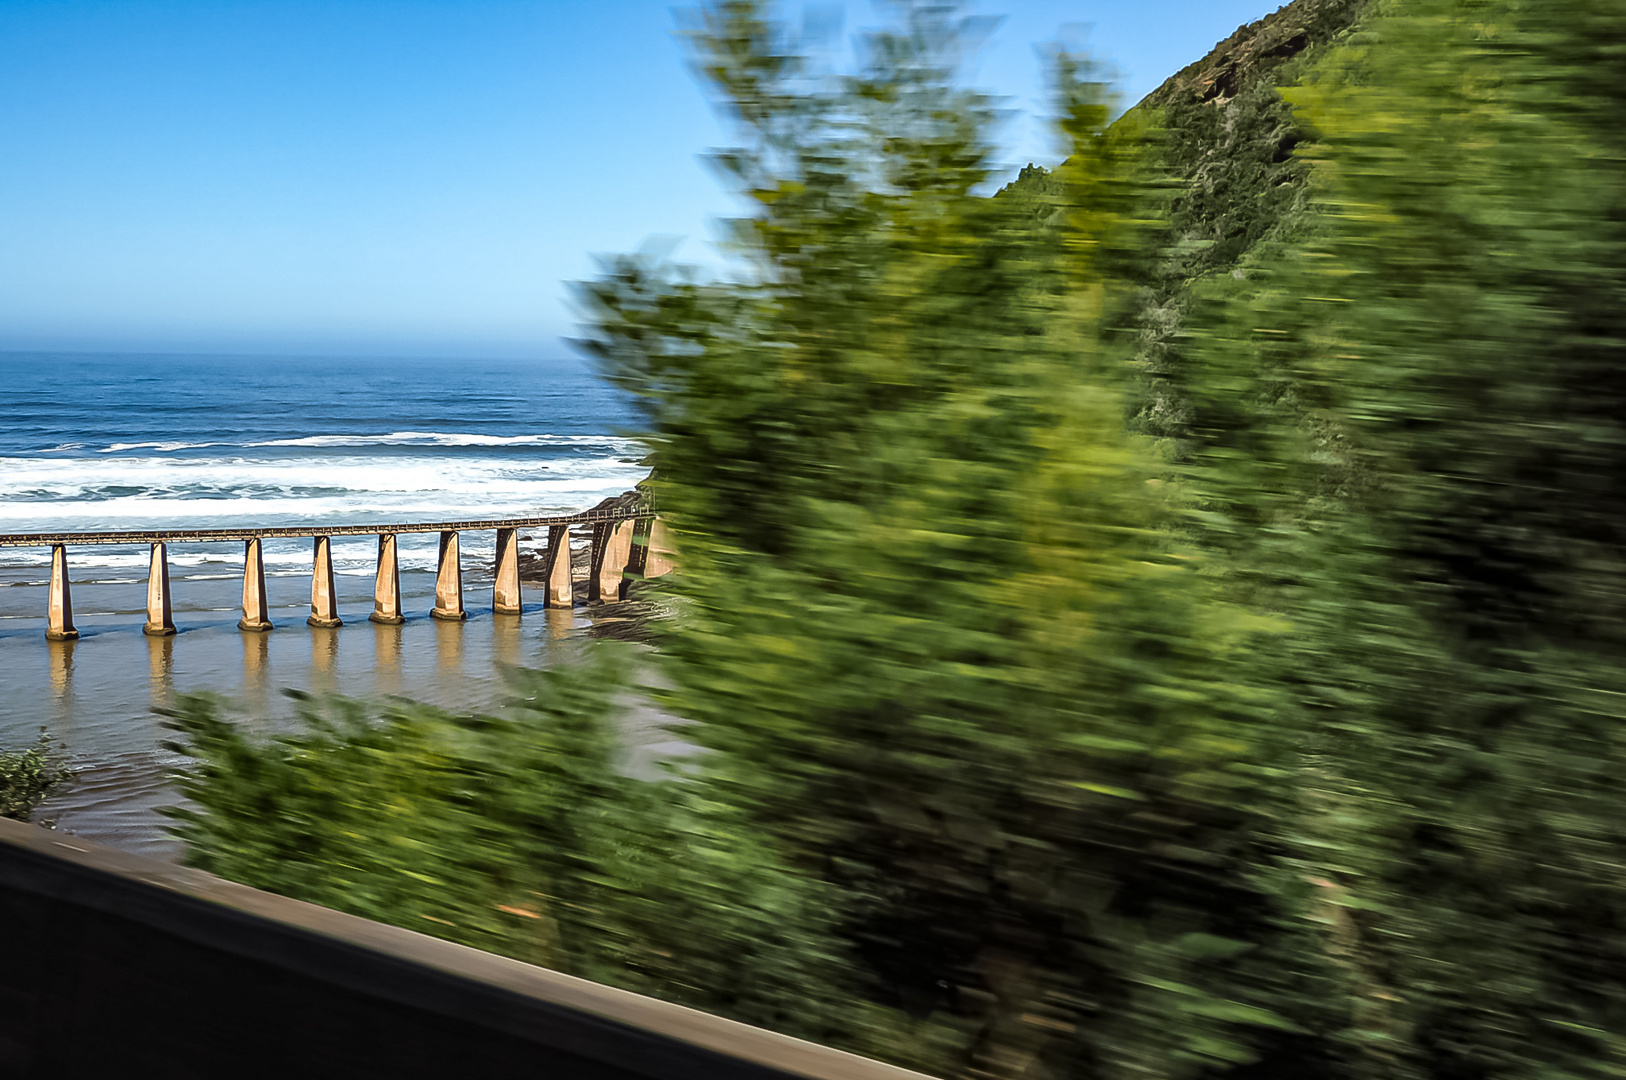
(1233, 180)
(1413, 425)
(27, 777)
(934, 633)
(517, 833)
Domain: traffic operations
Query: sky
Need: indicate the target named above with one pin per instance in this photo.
(404, 177)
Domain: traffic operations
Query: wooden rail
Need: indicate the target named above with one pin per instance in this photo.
(623, 532)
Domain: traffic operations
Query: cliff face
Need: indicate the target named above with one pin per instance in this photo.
(1230, 137)
(1256, 51)
(1228, 149)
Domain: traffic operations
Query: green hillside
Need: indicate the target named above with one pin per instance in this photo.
(1225, 151)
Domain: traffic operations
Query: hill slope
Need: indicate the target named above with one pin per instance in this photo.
(1227, 152)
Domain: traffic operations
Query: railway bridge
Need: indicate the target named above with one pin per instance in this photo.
(627, 541)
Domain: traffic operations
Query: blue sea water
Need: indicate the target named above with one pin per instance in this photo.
(104, 441)
(96, 442)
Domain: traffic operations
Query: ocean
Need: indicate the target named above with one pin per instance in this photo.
(92, 442)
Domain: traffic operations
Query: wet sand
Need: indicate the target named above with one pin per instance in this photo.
(94, 696)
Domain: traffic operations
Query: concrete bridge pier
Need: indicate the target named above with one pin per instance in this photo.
(449, 581)
(505, 594)
(160, 614)
(255, 617)
(612, 545)
(324, 596)
(59, 607)
(658, 561)
(660, 558)
(556, 562)
(618, 557)
(387, 588)
(637, 554)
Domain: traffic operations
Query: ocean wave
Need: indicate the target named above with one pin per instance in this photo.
(153, 487)
(162, 447)
(454, 438)
(355, 506)
(279, 488)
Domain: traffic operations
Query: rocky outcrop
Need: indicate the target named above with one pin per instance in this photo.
(1255, 51)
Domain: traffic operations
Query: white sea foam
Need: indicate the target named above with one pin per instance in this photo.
(145, 491)
(163, 447)
(158, 488)
(456, 438)
(321, 479)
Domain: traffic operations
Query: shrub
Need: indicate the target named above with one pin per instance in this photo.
(27, 777)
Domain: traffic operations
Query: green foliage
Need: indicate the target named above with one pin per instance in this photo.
(514, 833)
(27, 777)
(1234, 182)
(935, 633)
(1412, 438)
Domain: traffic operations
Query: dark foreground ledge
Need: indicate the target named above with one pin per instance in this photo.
(117, 965)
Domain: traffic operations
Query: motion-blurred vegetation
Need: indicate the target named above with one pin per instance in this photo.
(27, 777)
(1162, 620)
(519, 834)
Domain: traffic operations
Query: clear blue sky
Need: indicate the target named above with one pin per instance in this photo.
(385, 176)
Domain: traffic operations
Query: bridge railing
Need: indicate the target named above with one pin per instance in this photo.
(627, 542)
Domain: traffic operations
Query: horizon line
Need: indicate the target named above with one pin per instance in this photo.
(290, 355)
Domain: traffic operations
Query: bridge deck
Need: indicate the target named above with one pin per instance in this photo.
(596, 516)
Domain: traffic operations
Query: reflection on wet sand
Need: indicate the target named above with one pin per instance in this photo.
(257, 673)
(61, 654)
(560, 620)
(161, 668)
(505, 641)
(62, 672)
(449, 649)
(387, 657)
(101, 687)
(324, 660)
